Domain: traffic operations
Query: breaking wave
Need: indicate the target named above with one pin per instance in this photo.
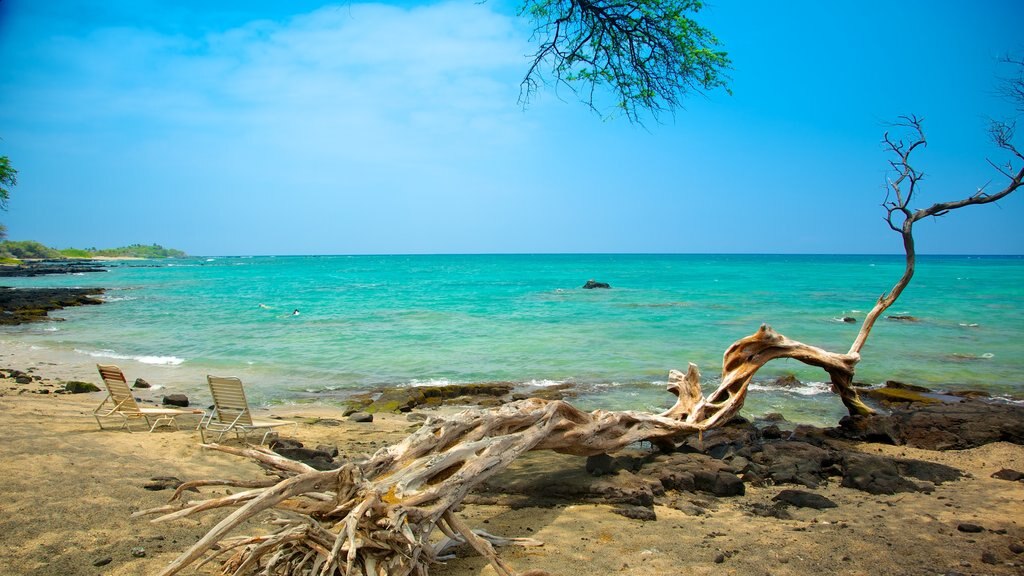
(153, 360)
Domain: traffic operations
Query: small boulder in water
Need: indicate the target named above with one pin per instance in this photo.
(787, 381)
(591, 284)
(140, 383)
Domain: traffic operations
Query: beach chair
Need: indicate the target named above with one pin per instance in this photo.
(231, 412)
(123, 405)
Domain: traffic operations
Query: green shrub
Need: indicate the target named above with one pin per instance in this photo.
(26, 250)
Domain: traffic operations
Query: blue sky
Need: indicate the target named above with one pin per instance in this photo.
(303, 127)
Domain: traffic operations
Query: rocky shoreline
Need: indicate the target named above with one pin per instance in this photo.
(924, 487)
(49, 268)
(24, 305)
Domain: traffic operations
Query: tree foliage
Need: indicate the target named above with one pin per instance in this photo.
(649, 53)
(27, 250)
(32, 250)
(8, 180)
(153, 251)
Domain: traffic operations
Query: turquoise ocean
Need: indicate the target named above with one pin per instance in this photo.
(371, 321)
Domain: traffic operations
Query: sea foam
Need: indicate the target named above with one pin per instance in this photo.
(154, 360)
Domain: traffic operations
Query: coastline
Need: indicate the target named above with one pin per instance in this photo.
(65, 476)
(368, 322)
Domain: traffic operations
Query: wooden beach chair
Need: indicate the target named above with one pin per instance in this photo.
(231, 411)
(123, 405)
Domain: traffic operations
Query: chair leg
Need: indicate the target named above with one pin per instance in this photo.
(168, 419)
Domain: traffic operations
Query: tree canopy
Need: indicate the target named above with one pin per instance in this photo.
(649, 53)
(8, 179)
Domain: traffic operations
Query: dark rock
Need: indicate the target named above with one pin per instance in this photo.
(719, 558)
(102, 561)
(591, 284)
(25, 379)
(929, 472)
(787, 381)
(902, 318)
(897, 385)
(970, 394)
(1007, 474)
(725, 441)
(848, 319)
(943, 426)
(405, 399)
(331, 451)
(556, 392)
(1017, 548)
(176, 400)
(559, 480)
(793, 462)
(874, 474)
(989, 557)
(293, 449)
(49, 267)
(718, 483)
(599, 464)
(636, 513)
(163, 483)
(602, 464)
(75, 387)
(140, 383)
(285, 444)
(969, 528)
(326, 422)
(777, 510)
(21, 305)
(883, 430)
(893, 396)
(802, 499)
(361, 417)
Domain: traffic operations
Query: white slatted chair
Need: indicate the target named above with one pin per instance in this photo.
(123, 405)
(231, 411)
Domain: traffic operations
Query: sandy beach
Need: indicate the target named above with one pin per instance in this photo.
(68, 490)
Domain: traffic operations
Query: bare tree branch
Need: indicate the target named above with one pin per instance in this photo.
(901, 217)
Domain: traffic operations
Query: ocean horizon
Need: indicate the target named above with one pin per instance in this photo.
(370, 321)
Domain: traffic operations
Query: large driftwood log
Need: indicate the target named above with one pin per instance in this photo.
(377, 516)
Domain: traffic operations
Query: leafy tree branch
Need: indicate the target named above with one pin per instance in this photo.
(649, 53)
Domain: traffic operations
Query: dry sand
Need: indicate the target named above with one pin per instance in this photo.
(68, 489)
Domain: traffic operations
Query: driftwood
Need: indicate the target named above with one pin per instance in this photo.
(377, 517)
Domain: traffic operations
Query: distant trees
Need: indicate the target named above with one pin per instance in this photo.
(153, 251)
(31, 250)
(649, 53)
(27, 250)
